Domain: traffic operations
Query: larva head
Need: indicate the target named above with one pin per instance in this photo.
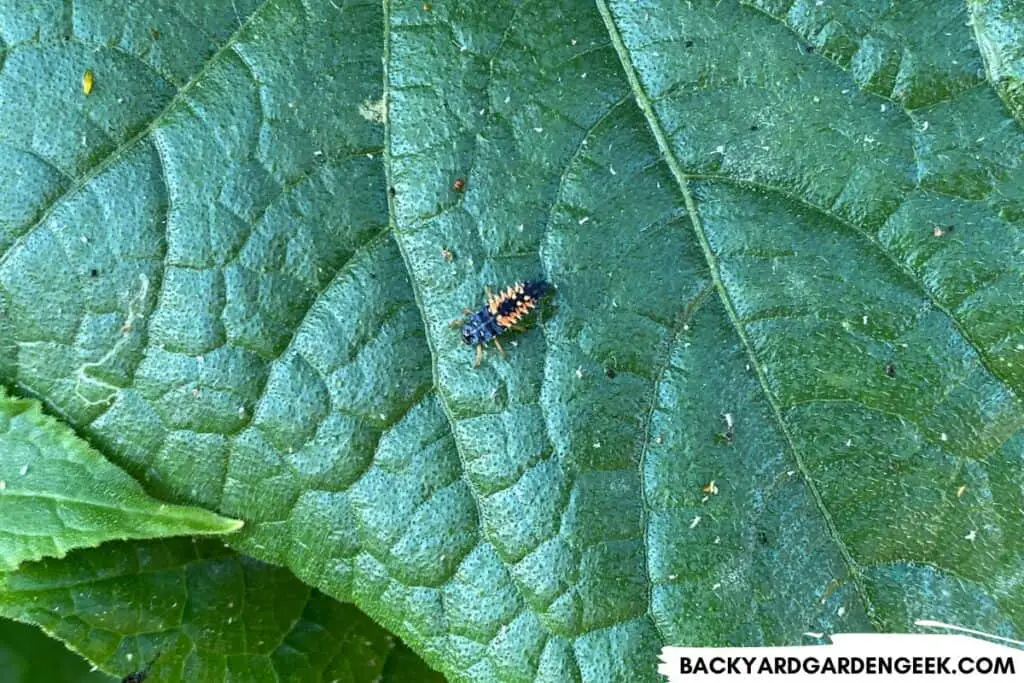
(477, 329)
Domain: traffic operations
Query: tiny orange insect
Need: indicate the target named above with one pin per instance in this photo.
(459, 185)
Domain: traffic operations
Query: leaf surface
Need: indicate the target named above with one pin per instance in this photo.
(186, 610)
(776, 390)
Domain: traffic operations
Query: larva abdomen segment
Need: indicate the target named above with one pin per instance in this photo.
(511, 305)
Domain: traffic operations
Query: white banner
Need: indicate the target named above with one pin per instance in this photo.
(855, 658)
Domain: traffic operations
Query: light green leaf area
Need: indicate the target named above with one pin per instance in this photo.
(776, 390)
(999, 31)
(57, 493)
(194, 611)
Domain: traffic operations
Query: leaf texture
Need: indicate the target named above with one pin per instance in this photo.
(775, 391)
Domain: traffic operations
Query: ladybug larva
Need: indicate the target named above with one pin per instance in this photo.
(502, 311)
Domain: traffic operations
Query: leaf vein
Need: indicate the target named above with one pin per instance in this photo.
(118, 151)
(683, 180)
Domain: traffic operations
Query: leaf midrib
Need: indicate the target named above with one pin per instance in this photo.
(682, 180)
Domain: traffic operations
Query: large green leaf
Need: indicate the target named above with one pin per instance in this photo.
(776, 390)
(57, 494)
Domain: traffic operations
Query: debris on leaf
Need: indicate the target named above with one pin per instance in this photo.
(729, 434)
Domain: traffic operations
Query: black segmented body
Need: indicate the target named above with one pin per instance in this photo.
(502, 311)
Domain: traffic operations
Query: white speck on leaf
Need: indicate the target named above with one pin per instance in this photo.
(973, 534)
(374, 111)
(24, 470)
(584, 220)
(695, 522)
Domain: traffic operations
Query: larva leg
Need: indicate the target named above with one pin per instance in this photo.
(498, 344)
(479, 355)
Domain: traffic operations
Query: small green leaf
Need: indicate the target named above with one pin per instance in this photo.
(57, 493)
(194, 611)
